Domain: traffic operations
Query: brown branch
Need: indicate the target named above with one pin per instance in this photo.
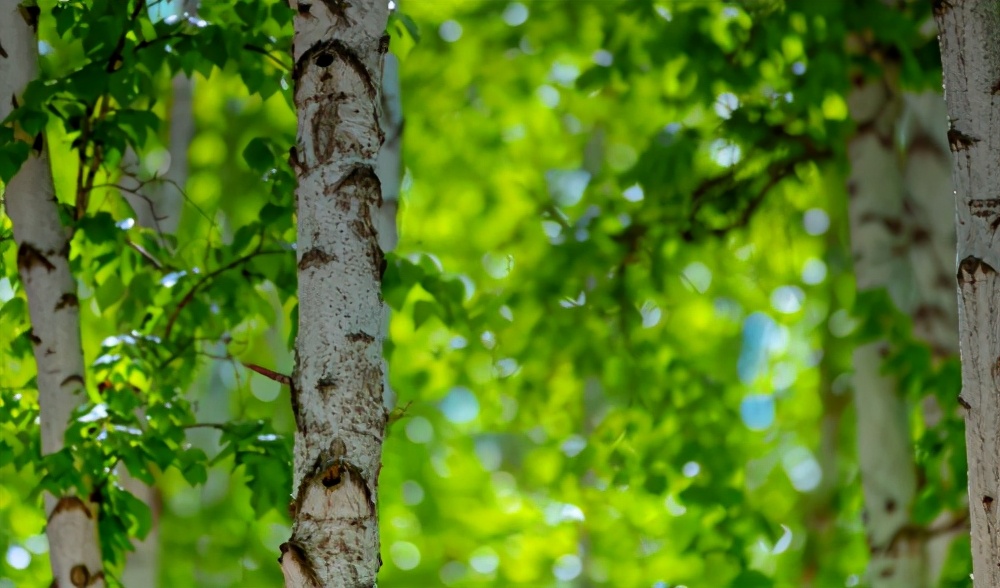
(272, 375)
(116, 54)
(146, 254)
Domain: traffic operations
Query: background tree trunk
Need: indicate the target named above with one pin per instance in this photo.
(338, 53)
(970, 54)
(43, 264)
(158, 206)
(903, 240)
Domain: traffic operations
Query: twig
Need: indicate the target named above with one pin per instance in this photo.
(208, 278)
(268, 54)
(146, 254)
(279, 378)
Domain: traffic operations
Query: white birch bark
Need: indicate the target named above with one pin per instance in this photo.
(43, 264)
(389, 169)
(970, 55)
(338, 53)
(930, 230)
(885, 452)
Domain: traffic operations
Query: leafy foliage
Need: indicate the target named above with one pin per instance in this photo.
(616, 331)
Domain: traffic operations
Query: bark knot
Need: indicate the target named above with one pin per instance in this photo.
(971, 268)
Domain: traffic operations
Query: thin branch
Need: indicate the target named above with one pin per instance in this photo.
(146, 254)
(268, 54)
(279, 378)
(218, 426)
(204, 281)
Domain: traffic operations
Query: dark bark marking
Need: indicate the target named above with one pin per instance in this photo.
(294, 550)
(293, 161)
(890, 505)
(959, 141)
(79, 575)
(30, 15)
(338, 8)
(28, 256)
(928, 312)
(964, 403)
(941, 7)
(984, 208)
(324, 60)
(996, 88)
(988, 503)
(969, 266)
(2, 52)
(349, 57)
(315, 257)
(337, 49)
(920, 235)
(73, 378)
(68, 503)
(68, 300)
(383, 44)
(363, 177)
(327, 384)
(360, 337)
(304, 8)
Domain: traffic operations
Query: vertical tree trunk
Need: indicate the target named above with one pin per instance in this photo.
(338, 53)
(970, 54)
(158, 207)
(930, 247)
(43, 264)
(885, 452)
(390, 174)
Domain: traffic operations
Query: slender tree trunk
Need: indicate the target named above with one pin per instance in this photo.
(158, 206)
(43, 264)
(930, 246)
(338, 383)
(970, 54)
(885, 451)
(390, 174)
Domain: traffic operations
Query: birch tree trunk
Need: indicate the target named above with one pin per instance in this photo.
(930, 249)
(885, 452)
(970, 55)
(338, 383)
(43, 264)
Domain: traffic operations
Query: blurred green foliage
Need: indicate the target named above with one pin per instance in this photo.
(616, 323)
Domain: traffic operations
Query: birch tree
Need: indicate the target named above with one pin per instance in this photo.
(900, 242)
(970, 55)
(43, 264)
(338, 53)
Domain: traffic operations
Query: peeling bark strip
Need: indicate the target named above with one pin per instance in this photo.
(339, 374)
(970, 54)
(43, 263)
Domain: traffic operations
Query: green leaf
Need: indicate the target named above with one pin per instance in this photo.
(12, 156)
(423, 310)
(109, 292)
(751, 579)
(258, 155)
